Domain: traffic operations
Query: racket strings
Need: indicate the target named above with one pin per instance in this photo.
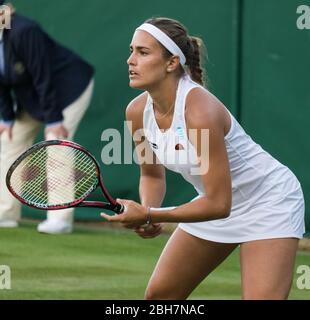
(31, 191)
(35, 192)
(54, 175)
(28, 170)
(55, 178)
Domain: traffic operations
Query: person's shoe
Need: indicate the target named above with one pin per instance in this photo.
(55, 227)
(5, 223)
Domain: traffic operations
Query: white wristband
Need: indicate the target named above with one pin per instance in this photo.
(149, 217)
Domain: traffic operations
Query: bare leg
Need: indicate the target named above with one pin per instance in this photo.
(184, 263)
(267, 268)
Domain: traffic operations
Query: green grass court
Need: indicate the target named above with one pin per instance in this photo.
(101, 263)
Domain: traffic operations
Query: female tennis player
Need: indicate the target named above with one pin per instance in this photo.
(245, 196)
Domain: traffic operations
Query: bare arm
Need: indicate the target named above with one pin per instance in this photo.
(152, 186)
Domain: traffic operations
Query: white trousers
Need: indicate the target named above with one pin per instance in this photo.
(25, 130)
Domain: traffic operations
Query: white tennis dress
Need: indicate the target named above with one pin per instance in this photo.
(267, 200)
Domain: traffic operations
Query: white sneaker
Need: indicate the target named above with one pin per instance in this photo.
(55, 227)
(8, 223)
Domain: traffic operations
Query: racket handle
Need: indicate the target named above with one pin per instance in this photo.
(119, 208)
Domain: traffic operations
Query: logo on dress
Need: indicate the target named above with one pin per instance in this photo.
(180, 132)
(154, 145)
(178, 147)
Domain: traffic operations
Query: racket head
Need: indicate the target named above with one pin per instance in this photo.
(52, 175)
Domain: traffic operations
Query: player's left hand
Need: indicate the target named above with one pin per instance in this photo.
(152, 231)
(133, 216)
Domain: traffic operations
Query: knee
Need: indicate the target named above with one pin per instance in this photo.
(154, 292)
(267, 291)
(265, 295)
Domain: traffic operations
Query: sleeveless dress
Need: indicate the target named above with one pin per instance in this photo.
(267, 199)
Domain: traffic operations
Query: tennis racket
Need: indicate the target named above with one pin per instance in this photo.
(58, 174)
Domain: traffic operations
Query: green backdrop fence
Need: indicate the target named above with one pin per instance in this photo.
(258, 65)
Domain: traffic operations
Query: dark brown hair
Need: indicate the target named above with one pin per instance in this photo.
(192, 47)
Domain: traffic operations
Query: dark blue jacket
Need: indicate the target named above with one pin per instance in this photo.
(42, 76)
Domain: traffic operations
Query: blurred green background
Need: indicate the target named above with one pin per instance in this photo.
(258, 66)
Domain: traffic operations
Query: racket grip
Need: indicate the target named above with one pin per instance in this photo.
(119, 208)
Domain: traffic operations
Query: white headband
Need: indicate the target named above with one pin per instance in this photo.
(166, 41)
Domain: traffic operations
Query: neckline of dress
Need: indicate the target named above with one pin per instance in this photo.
(165, 131)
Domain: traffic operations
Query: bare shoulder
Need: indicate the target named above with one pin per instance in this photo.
(135, 109)
(204, 110)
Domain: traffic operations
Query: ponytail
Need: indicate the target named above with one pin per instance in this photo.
(194, 61)
(192, 47)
